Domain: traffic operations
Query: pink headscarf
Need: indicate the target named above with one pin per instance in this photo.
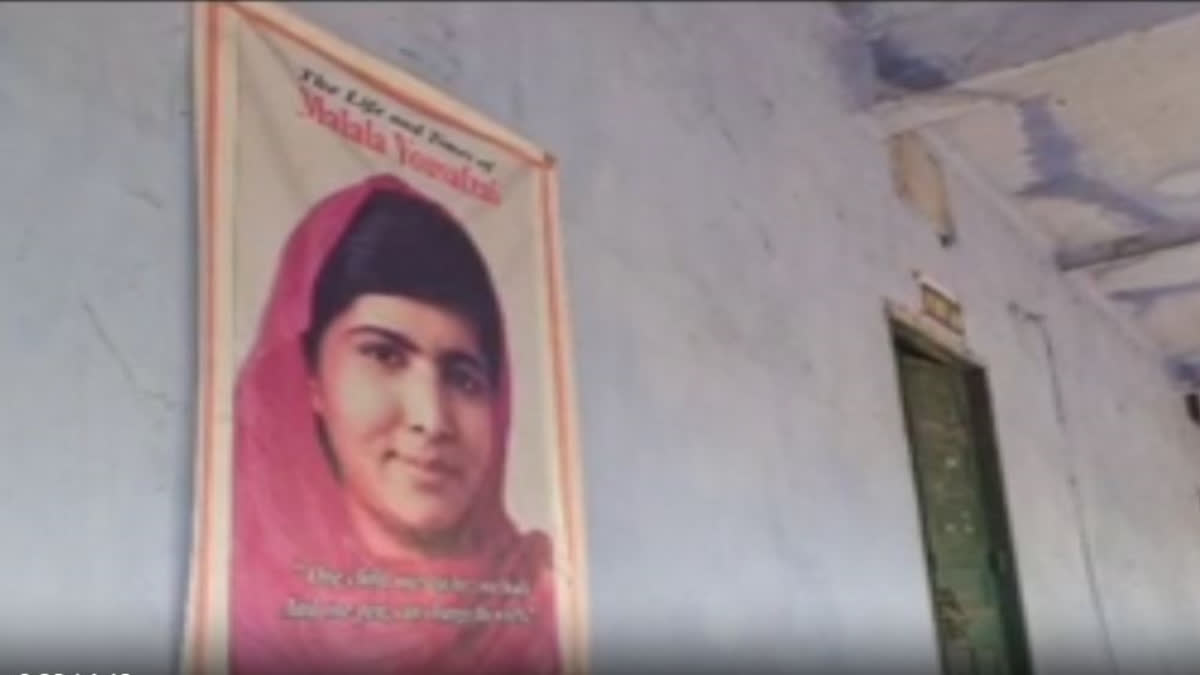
(290, 516)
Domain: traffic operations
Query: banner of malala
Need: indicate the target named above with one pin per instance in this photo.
(387, 472)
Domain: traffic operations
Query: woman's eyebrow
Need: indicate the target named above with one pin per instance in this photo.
(395, 337)
(448, 357)
(460, 357)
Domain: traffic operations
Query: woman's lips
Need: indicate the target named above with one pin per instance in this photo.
(430, 474)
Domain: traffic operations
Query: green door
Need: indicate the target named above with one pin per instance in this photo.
(971, 575)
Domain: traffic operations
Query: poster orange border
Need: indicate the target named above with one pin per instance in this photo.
(210, 58)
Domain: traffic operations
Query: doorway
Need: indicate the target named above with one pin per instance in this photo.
(956, 467)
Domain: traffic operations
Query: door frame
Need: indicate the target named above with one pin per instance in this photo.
(935, 341)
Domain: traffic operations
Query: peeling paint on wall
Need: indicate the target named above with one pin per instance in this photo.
(1054, 155)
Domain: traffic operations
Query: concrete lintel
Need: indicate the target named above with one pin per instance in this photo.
(1126, 247)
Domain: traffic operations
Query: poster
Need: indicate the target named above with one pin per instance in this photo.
(386, 466)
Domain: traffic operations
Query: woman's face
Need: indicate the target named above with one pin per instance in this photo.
(407, 404)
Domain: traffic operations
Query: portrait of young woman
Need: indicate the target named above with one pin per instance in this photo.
(371, 427)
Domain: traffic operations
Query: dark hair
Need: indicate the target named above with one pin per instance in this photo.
(399, 244)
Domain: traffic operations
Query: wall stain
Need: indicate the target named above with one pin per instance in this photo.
(768, 107)
(899, 67)
(764, 232)
(892, 62)
(146, 197)
(442, 67)
(765, 240)
(166, 402)
(410, 54)
(729, 138)
(449, 34)
(1185, 369)
(711, 112)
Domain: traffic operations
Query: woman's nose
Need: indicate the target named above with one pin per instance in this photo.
(423, 401)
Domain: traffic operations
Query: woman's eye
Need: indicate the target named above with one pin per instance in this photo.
(385, 355)
(466, 381)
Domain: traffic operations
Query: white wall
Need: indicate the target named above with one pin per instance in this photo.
(731, 235)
